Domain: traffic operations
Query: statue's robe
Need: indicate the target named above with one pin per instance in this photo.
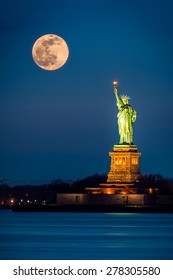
(126, 116)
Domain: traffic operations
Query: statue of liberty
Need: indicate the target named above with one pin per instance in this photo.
(126, 116)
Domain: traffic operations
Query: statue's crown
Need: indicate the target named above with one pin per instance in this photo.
(125, 97)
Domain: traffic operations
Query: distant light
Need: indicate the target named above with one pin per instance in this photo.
(28, 201)
(109, 191)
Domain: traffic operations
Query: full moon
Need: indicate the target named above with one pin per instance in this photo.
(50, 52)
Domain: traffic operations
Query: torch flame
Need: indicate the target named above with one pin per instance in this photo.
(115, 83)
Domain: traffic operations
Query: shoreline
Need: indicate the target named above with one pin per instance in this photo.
(94, 208)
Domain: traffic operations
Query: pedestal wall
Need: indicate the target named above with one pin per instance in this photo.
(124, 164)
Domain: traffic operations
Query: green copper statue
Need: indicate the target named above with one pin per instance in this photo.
(126, 117)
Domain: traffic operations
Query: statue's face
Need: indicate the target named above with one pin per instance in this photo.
(125, 100)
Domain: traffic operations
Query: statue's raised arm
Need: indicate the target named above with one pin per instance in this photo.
(115, 83)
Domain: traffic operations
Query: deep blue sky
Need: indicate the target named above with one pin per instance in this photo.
(63, 123)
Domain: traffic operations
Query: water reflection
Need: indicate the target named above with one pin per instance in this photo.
(85, 236)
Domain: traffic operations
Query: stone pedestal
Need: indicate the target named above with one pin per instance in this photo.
(124, 166)
(124, 172)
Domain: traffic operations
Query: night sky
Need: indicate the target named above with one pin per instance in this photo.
(63, 124)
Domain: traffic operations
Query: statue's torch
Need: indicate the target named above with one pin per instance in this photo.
(115, 84)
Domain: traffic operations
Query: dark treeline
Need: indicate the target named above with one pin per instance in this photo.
(157, 181)
(78, 186)
(151, 181)
(47, 192)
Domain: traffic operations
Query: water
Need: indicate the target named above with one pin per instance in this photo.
(85, 236)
